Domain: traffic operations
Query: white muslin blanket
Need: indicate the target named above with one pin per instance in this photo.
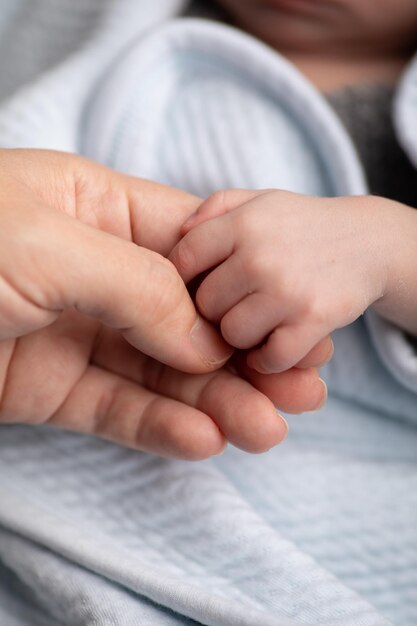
(322, 530)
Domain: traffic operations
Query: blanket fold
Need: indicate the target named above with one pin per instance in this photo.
(321, 530)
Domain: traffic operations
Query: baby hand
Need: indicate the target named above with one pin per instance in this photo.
(286, 270)
(82, 278)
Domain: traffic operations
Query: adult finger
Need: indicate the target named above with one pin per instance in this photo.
(293, 391)
(140, 210)
(68, 264)
(112, 407)
(245, 415)
(318, 356)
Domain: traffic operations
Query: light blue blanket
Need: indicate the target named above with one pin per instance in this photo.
(321, 531)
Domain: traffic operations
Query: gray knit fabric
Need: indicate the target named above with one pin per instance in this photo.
(205, 9)
(366, 112)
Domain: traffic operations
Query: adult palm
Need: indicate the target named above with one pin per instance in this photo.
(94, 321)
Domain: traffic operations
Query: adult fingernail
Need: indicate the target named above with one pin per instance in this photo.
(211, 347)
(286, 428)
(222, 451)
(330, 354)
(324, 396)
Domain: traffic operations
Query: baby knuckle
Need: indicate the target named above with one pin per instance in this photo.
(256, 265)
(315, 312)
(286, 289)
(246, 223)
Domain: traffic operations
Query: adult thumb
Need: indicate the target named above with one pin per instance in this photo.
(122, 285)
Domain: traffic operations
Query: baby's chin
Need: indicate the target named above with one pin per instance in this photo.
(293, 25)
(341, 27)
(290, 35)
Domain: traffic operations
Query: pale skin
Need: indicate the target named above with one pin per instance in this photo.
(289, 269)
(98, 333)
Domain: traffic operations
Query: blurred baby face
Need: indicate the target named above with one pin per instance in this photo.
(335, 26)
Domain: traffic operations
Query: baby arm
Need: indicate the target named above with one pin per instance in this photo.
(288, 269)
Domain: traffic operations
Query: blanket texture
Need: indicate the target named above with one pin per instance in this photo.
(320, 531)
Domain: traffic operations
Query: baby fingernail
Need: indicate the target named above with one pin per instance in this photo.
(189, 221)
(212, 349)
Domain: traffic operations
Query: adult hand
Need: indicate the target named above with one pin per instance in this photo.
(77, 279)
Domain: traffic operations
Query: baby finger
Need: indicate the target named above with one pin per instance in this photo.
(205, 247)
(285, 347)
(222, 289)
(250, 322)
